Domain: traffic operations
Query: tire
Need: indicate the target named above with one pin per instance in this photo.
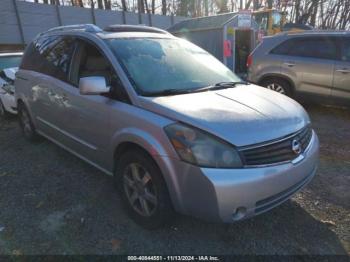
(3, 113)
(26, 124)
(279, 85)
(142, 189)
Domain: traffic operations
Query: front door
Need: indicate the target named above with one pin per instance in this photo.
(88, 122)
(341, 86)
(311, 60)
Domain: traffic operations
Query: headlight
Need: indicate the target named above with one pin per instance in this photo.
(202, 149)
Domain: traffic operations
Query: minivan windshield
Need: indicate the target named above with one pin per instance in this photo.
(156, 65)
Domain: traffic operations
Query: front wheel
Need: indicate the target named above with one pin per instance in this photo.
(143, 189)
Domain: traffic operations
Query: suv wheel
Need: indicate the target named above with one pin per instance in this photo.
(279, 85)
(26, 123)
(142, 189)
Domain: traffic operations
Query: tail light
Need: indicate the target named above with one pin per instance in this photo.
(249, 60)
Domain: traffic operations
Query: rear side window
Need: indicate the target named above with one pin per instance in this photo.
(283, 49)
(345, 56)
(50, 55)
(315, 47)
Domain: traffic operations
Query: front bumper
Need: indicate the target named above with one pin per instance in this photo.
(228, 195)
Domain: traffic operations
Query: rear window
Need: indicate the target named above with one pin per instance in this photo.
(315, 47)
(50, 55)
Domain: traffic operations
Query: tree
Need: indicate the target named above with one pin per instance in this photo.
(206, 7)
(99, 4)
(124, 6)
(107, 4)
(153, 6)
(222, 5)
(164, 9)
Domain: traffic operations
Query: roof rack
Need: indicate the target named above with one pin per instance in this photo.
(85, 27)
(134, 28)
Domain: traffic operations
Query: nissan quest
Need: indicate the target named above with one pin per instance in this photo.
(177, 130)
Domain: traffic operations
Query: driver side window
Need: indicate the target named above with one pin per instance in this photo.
(91, 62)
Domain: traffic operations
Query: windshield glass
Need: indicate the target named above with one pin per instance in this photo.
(154, 65)
(9, 61)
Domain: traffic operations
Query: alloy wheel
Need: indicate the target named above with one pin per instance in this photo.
(140, 190)
(276, 87)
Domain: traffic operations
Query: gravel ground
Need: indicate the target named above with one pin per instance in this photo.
(53, 203)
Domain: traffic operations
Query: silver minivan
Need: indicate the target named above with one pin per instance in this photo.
(308, 65)
(176, 129)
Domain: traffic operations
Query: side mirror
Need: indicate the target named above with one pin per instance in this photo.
(93, 85)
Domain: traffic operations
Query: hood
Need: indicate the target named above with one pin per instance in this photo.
(244, 115)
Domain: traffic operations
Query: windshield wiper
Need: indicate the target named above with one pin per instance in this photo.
(174, 91)
(220, 85)
(167, 92)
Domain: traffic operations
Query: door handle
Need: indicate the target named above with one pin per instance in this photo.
(289, 63)
(343, 70)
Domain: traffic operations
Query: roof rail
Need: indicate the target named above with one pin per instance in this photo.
(85, 27)
(134, 28)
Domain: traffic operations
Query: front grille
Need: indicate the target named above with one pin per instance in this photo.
(276, 151)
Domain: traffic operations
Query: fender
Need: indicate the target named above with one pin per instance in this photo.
(160, 150)
(142, 139)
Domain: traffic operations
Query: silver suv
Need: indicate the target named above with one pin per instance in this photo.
(176, 129)
(311, 64)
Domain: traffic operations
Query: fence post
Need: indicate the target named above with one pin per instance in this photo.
(149, 19)
(19, 22)
(58, 15)
(140, 17)
(93, 13)
(123, 16)
(172, 19)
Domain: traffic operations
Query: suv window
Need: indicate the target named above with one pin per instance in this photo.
(283, 48)
(90, 61)
(33, 58)
(345, 56)
(59, 57)
(316, 47)
(50, 55)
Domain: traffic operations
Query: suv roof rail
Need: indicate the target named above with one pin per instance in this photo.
(86, 27)
(134, 28)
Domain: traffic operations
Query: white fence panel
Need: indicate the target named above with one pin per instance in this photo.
(104, 17)
(9, 30)
(36, 19)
